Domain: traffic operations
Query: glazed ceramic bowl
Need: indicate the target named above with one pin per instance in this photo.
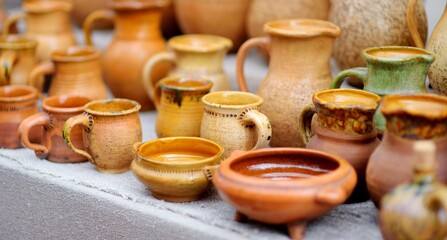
(175, 169)
(284, 185)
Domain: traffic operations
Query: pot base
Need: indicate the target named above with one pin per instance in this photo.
(107, 170)
(177, 198)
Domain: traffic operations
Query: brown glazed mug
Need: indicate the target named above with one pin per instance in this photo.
(56, 110)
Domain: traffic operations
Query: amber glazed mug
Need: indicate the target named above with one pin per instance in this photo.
(111, 127)
(56, 110)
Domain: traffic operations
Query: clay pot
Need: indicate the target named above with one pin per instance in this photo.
(56, 110)
(195, 56)
(174, 169)
(17, 55)
(75, 70)
(292, 78)
(137, 37)
(284, 185)
(409, 119)
(82, 8)
(344, 128)
(224, 18)
(47, 22)
(111, 127)
(16, 104)
(232, 119)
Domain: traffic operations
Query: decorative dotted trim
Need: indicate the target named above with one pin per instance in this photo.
(90, 122)
(242, 114)
(52, 121)
(16, 108)
(220, 114)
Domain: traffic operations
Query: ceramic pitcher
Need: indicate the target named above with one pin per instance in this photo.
(195, 55)
(390, 70)
(300, 51)
(137, 37)
(409, 119)
(232, 119)
(48, 22)
(179, 104)
(75, 70)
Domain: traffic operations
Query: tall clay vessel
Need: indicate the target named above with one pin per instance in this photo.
(300, 51)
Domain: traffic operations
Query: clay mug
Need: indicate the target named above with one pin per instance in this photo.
(56, 110)
(179, 104)
(390, 70)
(16, 103)
(195, 55)
(17, 55)
(111, 126)
(233, 120)
(75, 70)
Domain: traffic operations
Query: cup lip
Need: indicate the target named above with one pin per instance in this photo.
(31, 95)
(376, 98)
(137, 4)
(326, 28)
(207, 84)
(47, 6)
(388, 110)
(259, 101)
(217, 43)
(185, 164)
(425, 55)
(17, 42)
(64, 55)
(49, 108)
(134, 109)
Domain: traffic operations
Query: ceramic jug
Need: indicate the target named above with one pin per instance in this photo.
(372, 23)
(409, 119)
(75, 70)
(390, 70)
(48, 22)
(345, 128)
(195, 55)
(137, 37)
(179, 104)
(300, 51)
(17, 55)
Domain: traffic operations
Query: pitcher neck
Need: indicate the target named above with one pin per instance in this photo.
(138, 24)
(48, 23)
(210, 61)
(77, 68)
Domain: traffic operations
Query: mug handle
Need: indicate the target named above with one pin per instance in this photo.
(104, 14)
(11, 22)
(38, 119)
(412, 24)
(359, 72)
(263, 127)
(84, 119)
(263, 42)
(7, 61)
(34, 78)
(305, 122)
(437, 199)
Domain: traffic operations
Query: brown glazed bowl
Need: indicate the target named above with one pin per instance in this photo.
(284, 185)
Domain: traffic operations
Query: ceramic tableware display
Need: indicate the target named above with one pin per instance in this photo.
(195, 55)
(16, 103)
(344, 127)
(179, 104)
(47, 22)
(137, 37)
(415, 210)
(409, 119)
(300, 51)
(372, 23)
(56, 110)
(232, 119)
(390, 70)
(75, 70)
(284, 185)
(17, 55)
(176, 169)
(111, 127)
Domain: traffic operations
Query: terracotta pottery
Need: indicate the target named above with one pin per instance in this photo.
(344, 128)
(137, 37)
(415, 210)
(284, 185)
(372, 23)
(409, 119)
(82, 8)
(56, 110)
(179, 104)
(2, 15)
(390, 70)
(16, 104)
(111, 126)
(175, 169)
(195, 55)
(233, 120)
(47, 22)
(293, 78)
(224, 18)
(17, 55)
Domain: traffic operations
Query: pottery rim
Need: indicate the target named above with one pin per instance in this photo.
(200, 43)
(75, 54)
(23, 93)
(394, 104)
(127, 107)
(65, 103)
(253, 100)
(420, 53)
(13, 41)
(37, 6)
(206, 84)
(373, 99)
(302, 28)
(137, 4)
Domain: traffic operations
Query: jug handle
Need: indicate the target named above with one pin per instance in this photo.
(263, 42)
(359, 72)
(412, 24)
(305, 122)
(7, 61)
(11, 21)
(34, 78)
(104, 14)
(84, 119)
(263, 127)
(38, 119)
(437, 199)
